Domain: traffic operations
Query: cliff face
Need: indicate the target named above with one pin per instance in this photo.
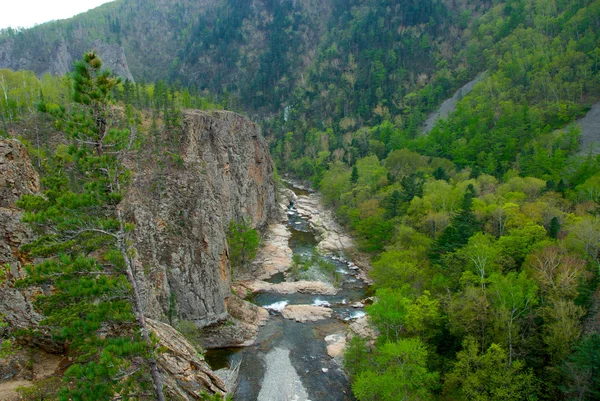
(226, 174)
(180, 237)
(17, 178)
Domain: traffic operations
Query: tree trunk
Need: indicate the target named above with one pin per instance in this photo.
(139, 309)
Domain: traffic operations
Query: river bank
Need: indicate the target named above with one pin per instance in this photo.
(311, 312)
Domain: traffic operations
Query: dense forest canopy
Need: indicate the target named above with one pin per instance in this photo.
(484, 232)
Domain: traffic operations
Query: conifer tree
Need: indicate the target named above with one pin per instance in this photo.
(354, 175)
(96, 306)
(464, 225)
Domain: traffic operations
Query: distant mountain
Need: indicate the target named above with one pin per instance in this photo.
(253, 52)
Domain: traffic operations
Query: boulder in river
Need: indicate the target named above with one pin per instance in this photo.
(336, 344)
(288, 287)
(306, 313)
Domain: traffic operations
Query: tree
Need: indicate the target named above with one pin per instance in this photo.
(399, 372)
(489, 376)
(393, 204)
(554, 228)
(396, 312)
(354, 175)
(464, 224)
(513, 297)
(481, 252)
(242, 241)
(582, 370)
(85, 241)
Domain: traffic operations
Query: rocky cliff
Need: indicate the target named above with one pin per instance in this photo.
(226, 173)
(17, 178)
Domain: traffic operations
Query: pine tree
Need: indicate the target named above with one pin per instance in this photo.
(354, 175)
(96, 306)
(554, 228)
(393, 204)
(464, 224)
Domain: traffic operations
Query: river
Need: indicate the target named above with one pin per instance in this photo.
(289, 360)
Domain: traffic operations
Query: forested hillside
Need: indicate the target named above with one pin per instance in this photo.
(484, 233)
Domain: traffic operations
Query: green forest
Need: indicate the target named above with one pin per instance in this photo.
(484, 233)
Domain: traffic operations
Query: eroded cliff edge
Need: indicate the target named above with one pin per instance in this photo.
(226, 174)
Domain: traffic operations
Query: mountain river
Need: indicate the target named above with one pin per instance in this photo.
(289, 360)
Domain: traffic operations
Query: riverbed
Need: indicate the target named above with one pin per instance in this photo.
(289, 360)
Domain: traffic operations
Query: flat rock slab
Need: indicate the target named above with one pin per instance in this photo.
(362, 328)
(332, 237)
(302, 287)
(336, 344)
(275, 255)
(281, 381)
(306, 313)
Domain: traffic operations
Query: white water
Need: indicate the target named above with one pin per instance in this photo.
(277, 306)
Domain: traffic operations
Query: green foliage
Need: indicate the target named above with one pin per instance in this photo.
(396, 314)
(191, 332)
(398, 370)
(243, 242)
(464, 224)
(82, 240)
(45, 389)
(489, 376)
(581, 370)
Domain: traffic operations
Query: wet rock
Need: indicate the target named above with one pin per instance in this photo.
(289, 287)
(332, 237)
(246, 312)
(362, 328)
(336, 344)
(239, 330)
(274, 255)
(306, 313)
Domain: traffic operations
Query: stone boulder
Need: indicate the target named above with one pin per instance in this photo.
(306, 313)
(185, 372)
(239, 330)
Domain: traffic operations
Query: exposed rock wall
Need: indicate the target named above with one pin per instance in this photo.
(182, 254)
(17, 178)
(226, 174)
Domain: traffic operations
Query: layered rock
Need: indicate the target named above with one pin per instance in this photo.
(17, 178)
(286, 287)
(239, 330)
(306, 313)
(185, 372)
(226, 173)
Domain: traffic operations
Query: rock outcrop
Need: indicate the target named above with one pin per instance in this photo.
(226, 174)
(306, 313)
(17, 178)
(239, 330)
(185, 372)
(180, 238)
(286, 287)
